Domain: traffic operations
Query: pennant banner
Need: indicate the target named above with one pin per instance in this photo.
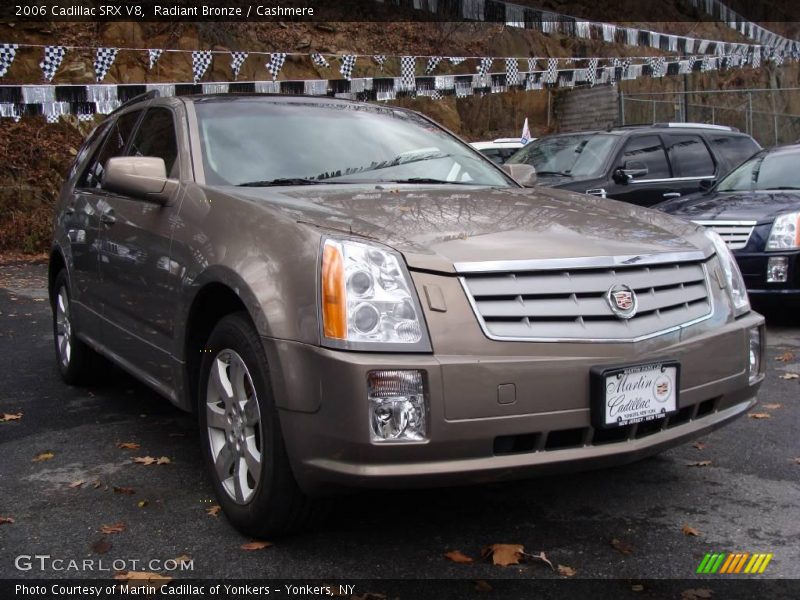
(103, 60)
(53, 55)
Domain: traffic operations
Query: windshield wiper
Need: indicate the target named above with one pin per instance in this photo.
(281, 181)
(562, 173)
(426, 180)
(783, 187)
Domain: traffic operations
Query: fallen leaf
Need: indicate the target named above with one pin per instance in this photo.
(142, 503)
(687, 530)
(10, 417)
(621, 546)
(115, 528)
(124, 490)
(797, 460)
(144, 576)
(699, 445)
(97, 484)
(566, 571)
(128, 446)
(696, 594)
(481, 585)
(214, 510)
(699, 463)
(77, 484)
(163, 461)
(760, 416)
(790, 376)
(637, 587)
(785, 357)
(6, 520)
(144, 460)
(458, 557)
(255, 545)
(101, 546)
(43, 456)
(183, 559)
(504, 554)
(542, 557)
(773, 406)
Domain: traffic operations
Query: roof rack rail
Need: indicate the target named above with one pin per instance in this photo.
(146, 96)
(677, 125)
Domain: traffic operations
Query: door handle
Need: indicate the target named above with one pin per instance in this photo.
(108, 218)
(672, 195)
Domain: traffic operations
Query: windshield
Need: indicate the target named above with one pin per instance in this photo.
(580, 155)
(288, 143)
(765, 171)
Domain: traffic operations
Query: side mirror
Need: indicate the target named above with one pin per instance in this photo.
(707, 184)
(523, 174)
(631, 170)
(142, 177)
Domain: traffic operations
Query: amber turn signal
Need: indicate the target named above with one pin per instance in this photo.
(334, 300)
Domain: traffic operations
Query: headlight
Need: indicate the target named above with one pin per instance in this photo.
(736, 287)
(785, 232)
(368, 299)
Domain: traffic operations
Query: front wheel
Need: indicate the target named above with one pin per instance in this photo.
(75, 359)
(241, 436)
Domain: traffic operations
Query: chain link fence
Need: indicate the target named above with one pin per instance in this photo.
(771, 116)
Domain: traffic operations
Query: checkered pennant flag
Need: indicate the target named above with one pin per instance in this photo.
(201, 60)
(408, 67)
(433, 62)
(380, 60)
(436, 95)
(755, 57)
(551, 74)
(275, 64)
(154, 54)
(52, 118)
(456, 60)
(658, 66)
(103, 60)
(320, 60)
(591, 71)
(531, 65)
(484, 65)
(348, 64)
(512, 71)
(237, 60)
(7, 54)
(53, 55)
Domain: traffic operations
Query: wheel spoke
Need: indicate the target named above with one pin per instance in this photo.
(62, 346)
(219, 376)
(252, 458)
(224, 462)
(236, 374)
(215, 418)
(241, 489)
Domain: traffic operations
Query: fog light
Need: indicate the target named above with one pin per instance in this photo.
(777, 269)
(397, 406)
(755, 354)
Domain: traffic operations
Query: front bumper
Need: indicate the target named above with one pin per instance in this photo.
(473, 438)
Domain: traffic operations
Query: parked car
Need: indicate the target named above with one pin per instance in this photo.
(499, 150)
(642, 165)
(383, 307)
(756, 210)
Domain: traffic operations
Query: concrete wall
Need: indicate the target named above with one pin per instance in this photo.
(587, 108)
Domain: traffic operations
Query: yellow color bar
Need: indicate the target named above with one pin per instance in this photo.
(766, 562)
(752, 562)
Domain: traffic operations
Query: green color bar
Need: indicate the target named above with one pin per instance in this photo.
(701, 568)
(718, 564)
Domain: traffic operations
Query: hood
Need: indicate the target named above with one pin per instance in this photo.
(733, 206)
(436, 226)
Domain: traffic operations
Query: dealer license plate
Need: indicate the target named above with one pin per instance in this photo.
(634, 394)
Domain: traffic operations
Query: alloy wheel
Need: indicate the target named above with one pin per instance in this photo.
(63, 327)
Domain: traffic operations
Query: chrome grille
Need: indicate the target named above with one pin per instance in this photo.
(571, 305)
(735, 233)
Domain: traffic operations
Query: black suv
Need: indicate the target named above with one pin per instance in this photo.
(640, 164)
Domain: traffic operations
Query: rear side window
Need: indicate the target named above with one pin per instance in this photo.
(734, 148)
(690, 156)
(156, 137)
(115, 143)
(649, 150)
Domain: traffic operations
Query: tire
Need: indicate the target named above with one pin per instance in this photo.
(240, 432)
(76, 361)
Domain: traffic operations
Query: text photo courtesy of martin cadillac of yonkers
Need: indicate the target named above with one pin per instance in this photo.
(400, 299)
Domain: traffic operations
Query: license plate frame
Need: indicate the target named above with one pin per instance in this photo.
(642, 403)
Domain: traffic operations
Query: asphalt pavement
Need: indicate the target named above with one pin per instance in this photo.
(624, 523)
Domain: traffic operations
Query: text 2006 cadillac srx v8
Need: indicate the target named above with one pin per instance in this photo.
(347, 296)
